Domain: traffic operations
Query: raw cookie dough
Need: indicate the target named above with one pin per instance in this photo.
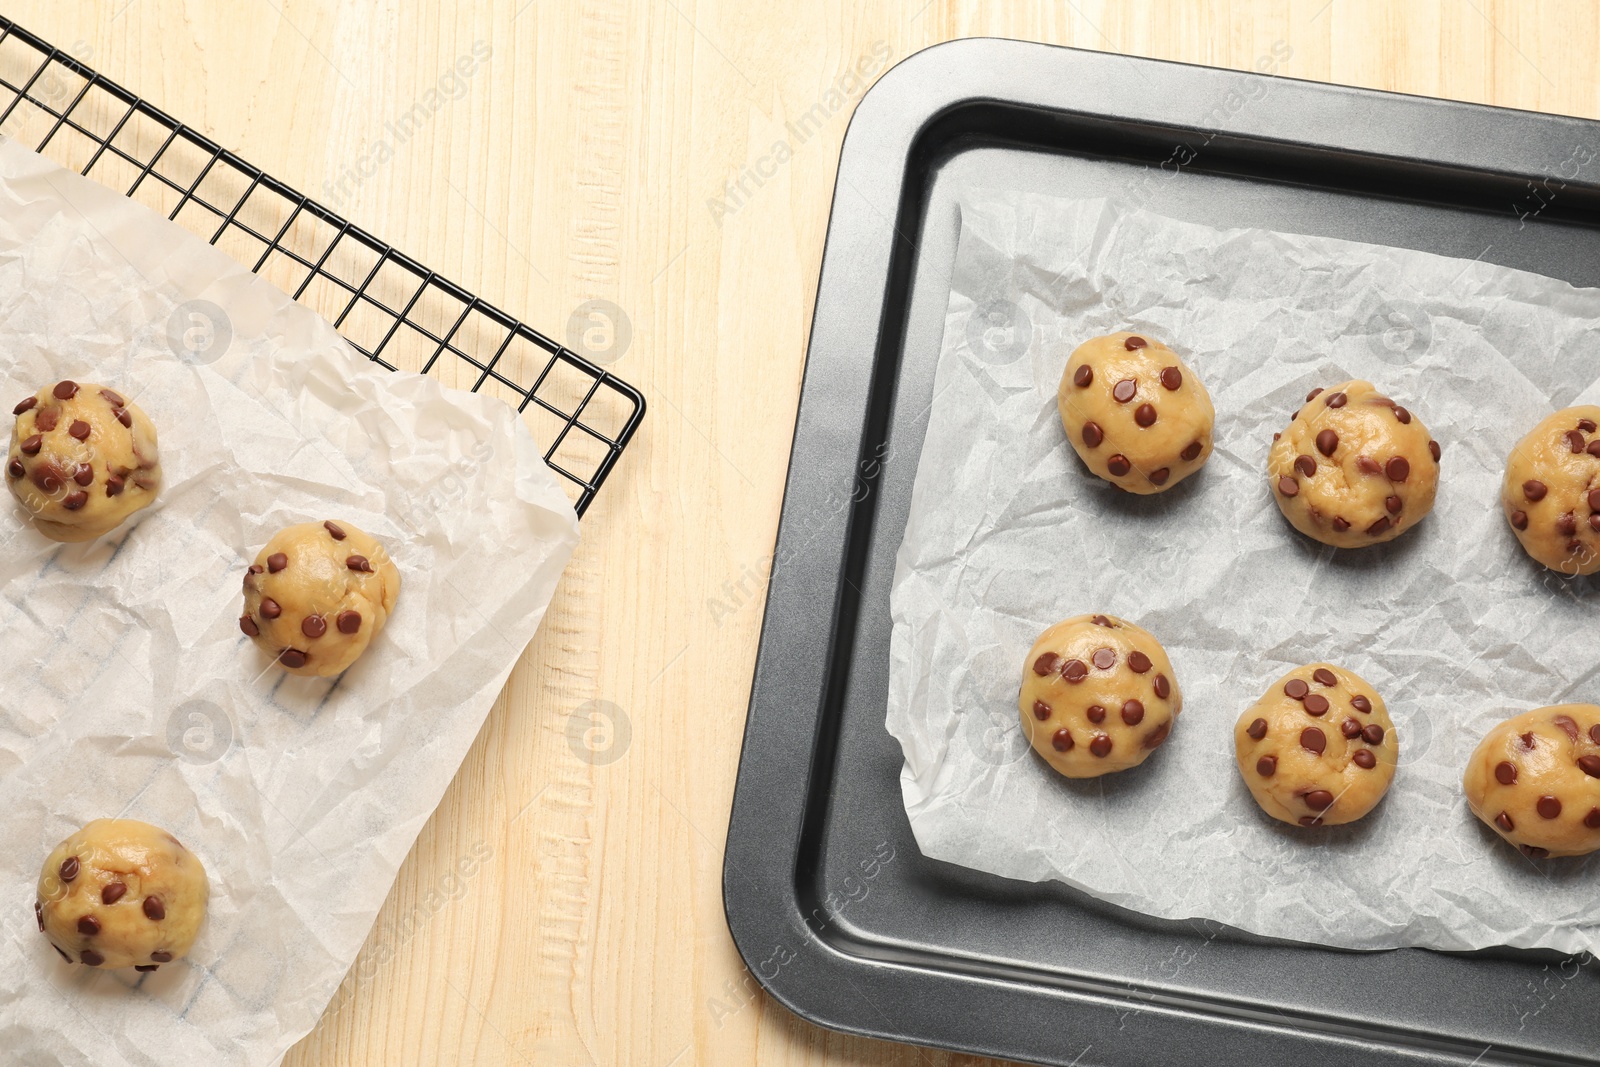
(1319, 748)
(1136, 414)
(83, 459)
(1354, 468)
(317, 595)
(1098, 696)
(1535, 780)
(1551, 494)
(121, 893)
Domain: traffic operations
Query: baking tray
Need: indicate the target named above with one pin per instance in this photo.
(391, 309)
(832, 907)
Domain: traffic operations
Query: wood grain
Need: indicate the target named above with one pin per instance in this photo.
(563, 906)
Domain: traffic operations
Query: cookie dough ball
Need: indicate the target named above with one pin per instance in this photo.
(121, 893)
(1535, 780)
(1318, 749)
(1551, 493)
(317, 595)
(82, 460)
(1354, 468)
(1136, 414)
(1098, 696)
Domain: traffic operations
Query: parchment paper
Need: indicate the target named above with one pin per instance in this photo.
(1456, 628)
(128, 689)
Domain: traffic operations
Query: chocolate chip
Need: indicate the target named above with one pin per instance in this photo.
(1575, 442)
(47, 419)
(1592, 820)
(16, 469)
(114, 486)
(1372, 734)
(25, 405)
(1305, 465)
(1528, 740)
(161, 957)
(91, 958)
(1132, 712)
(69, 868)
(1133, 343)
(125, 417)
(1313, 394)
(1340, 523)
(1394, 504)
(1368, 465)
(1327, 442)
(75, 500)
(65, 390)
(1337, 400)
(1319, 800)
(1100, 620)
(1505, 821)
(1310, 820)
(1313, 740)
(1567, 525)
(146, 967)
(1519, 519)
(1403, 415)
(88, 926)
(1160, 475)
(349, 622)
(1288, 486)
(1365, 759)
(270, 608)
(1594, 500)
(31, 446)
(1398, 469)
(80, 430)
(277, 562)
(1380, 527)
(1145, 415)
(1162, 686)
(1569, 726)
(313, 626)
(1277, 436)
(1119, 465)
(1171, 379)
(1589, 765)
(1100, 746)
(1124, 390)
(337, 531)
(1267, 766)
(1062, 740)
(84, 474)
(1350, 728)
(1189, 454)
(1323, 676)
(1505, 772)
(1074, 670)
(293, 657)
(1434, 450)
(1093, 434)
(59, 950)
(155, 911)
(1041, 710)
(47, 477)
(1083, 376)
(1594, 448)
(1534, 490)
(1104, 658)
(1594, 522)
(1316, 704)
(38, 913)
(1096, 713)
(115, 399)
(1296, 689)
(1046, 664)
(1158, 735)
(1549, 808)
(1257, 730)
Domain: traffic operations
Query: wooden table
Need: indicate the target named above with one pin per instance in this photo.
(564, 905)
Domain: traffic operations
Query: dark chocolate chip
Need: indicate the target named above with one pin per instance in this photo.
(1368, 465)
(84, 474)
(1594, 447)
(1569, 726)
(88, 926)
(1519, 519)
(1340, 523)
(349, 622)
(1323, 676)
(1434, 450)
(1380, 527)
(1093, 434)
(1534, 851)
(1594, 734)
(1310, 820)
(1337, 400)
(125, 417)
(1145, 415)
(1316, 704)
(1162, 686)
(1394, 504)
(1327, 442)
(1041, 710)
(270, 608)
(248, 625)
(1319, 800)
(1132, 712)
(1296, 689)
(1100, 746)
(1592, 820)
(114, 486)
(47, 419)
(1124, 390)
(65, 390)
(1567, 525)
(31, 446)
(16, 469)
(1171, 379)
(314, 626)
(1100, 620)
(1138, 662)
(1267, 766)
(1589, 765)
(1257, 730)
(334, 530)
(1549, 808)
(1288, 486)
(1305, 465)
(1372, 734)
(1189, 454)
(1528, 741)
(1160, 475)
(47, 477)
(1594, 522)
(1575, 442)
(293, 657)
(1313, 740)
(1534, 490)
(1505, 821)
(1313, 394)
(1158, 735)
(69, 868)
(1365, 759)
(115, 399)
(1062, 740)
(1505, 772)
(79, 429)
(1104, 658)
(1133, 343)
(1046, 664)
(1350, 728)
(161, 957)
(1398, 469)
(26, 405)
(1074, 670)
(1096, 713)
(146, 967)
(1403, 415)
(154, 910)
(1119, 465)
(91, 958)
(1083, 376)
(277, 562)
(75, 500)
(1594, 500)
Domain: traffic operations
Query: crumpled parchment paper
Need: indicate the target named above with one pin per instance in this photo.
(128, 689)
(1457, 629)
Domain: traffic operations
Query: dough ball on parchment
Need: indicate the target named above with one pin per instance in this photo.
(1535, 780)
(1551, 492)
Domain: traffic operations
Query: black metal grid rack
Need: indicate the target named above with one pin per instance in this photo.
(397, 312)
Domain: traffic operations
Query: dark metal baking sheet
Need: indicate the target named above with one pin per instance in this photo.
(827, 897)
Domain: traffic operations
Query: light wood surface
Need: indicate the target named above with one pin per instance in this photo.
(564, 905)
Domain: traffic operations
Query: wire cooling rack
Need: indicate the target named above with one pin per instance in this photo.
(399, 313)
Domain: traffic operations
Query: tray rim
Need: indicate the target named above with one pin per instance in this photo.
(871, 226)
